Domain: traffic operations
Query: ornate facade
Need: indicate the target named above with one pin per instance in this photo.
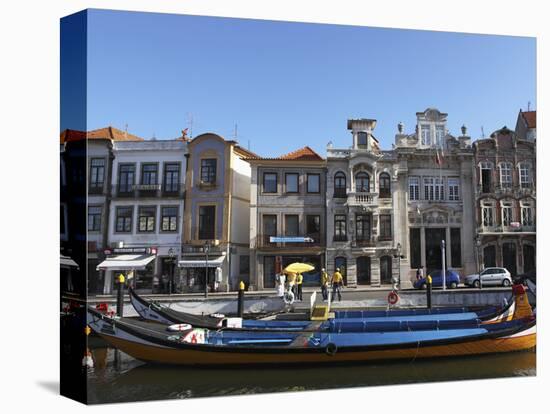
(505, 165)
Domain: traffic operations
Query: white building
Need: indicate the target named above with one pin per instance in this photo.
(146, 213)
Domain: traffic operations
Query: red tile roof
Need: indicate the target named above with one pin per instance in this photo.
(302, 154)
(109, 132)
(530, 118)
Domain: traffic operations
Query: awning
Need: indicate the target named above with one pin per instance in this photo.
(126, 262)
(66, 261)
(214, 262)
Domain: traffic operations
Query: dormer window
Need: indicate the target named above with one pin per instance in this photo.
(362, 139)
(439, 135)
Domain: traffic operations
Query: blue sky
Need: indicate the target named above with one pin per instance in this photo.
(292, 84)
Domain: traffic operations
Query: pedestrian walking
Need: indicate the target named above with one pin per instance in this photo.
(337, 281)
(280, 284)
(324, 284)
(299, 281)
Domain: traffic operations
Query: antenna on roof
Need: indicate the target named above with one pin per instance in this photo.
(126, 131)
(528, 106)
(190, 124)
(482, 132)
(154, 137)
(235, 132)
(248, 145)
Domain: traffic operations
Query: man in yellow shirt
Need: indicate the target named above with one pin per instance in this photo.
(299, 281)
(324, 284)
(337, 282)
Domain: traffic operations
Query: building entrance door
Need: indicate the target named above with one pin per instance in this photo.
(528, 258)
(433, 248)
(363, 270)
(509, 257)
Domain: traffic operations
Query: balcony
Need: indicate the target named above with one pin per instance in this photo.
(96, 189)
(365, 242)
(149, 191)
(506, 229)
(362, 199)
(340, 238)
(340, 193)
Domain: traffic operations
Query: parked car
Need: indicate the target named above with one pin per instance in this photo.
(491, 276)
(452, 279)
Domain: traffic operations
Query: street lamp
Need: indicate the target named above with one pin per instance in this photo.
(443, 264)
(171, 255)
(206, 250)
(478, 251)
(399, 257)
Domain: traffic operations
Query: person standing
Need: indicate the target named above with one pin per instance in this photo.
(280, 282)
(324, 284)
(419, 273)
(291, 279)
(337, 281)
(299, 281)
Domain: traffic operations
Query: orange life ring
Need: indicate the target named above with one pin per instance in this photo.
(392, 298)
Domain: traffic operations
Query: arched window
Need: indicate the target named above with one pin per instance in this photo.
(362, 184)
(384, 184)
(339, 184)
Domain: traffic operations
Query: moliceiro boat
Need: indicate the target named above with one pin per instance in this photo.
(153, 342)
(361, 320)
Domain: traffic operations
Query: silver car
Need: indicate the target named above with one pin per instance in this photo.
(491, 276)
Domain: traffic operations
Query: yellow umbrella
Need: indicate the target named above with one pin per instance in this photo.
(298, 268)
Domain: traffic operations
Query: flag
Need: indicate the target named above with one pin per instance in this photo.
(439, 156)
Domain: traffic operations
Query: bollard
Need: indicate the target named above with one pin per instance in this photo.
(120, 295)
(240, 305)
(429, 292)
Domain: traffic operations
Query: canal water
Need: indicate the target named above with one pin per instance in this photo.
(118, 377)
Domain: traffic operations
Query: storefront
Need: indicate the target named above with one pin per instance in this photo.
(271, 265)
(193, 273)
(137, 264)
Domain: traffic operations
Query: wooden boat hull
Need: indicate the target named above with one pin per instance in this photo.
(138, 343)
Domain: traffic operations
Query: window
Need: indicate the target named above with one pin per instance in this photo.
(487, 215)
(269, 272)
(313, 183)
(524, 175)
(94, 218)
(207, 222)
(362, 227)
(313, 227)
(429, 188)
(149, 174)
(208, 171)
(485, 176)
(270, 226)
(146, 219)
(386, 270)
(454, 188)
(527, 215)
(270, 182)
(339, 184)
(439, 135)
(97, 172)
(340, 227)
(124, 216)
(506, 213)
(291, 225)
(244, 264)
(384, 184)
(456, 249)
(439, 189)
(416, 252)
(126, 176)
(169, 218)
(171, 179)
(506, 174)
(414, 188)
(362, 139)
(425, 134)
(385, 226)
(362, 183)
(291, 182)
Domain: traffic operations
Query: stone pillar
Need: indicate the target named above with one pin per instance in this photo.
(375, 271)
(423, 249)
(448, 247)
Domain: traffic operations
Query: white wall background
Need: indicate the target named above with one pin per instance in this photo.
(29, 79)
